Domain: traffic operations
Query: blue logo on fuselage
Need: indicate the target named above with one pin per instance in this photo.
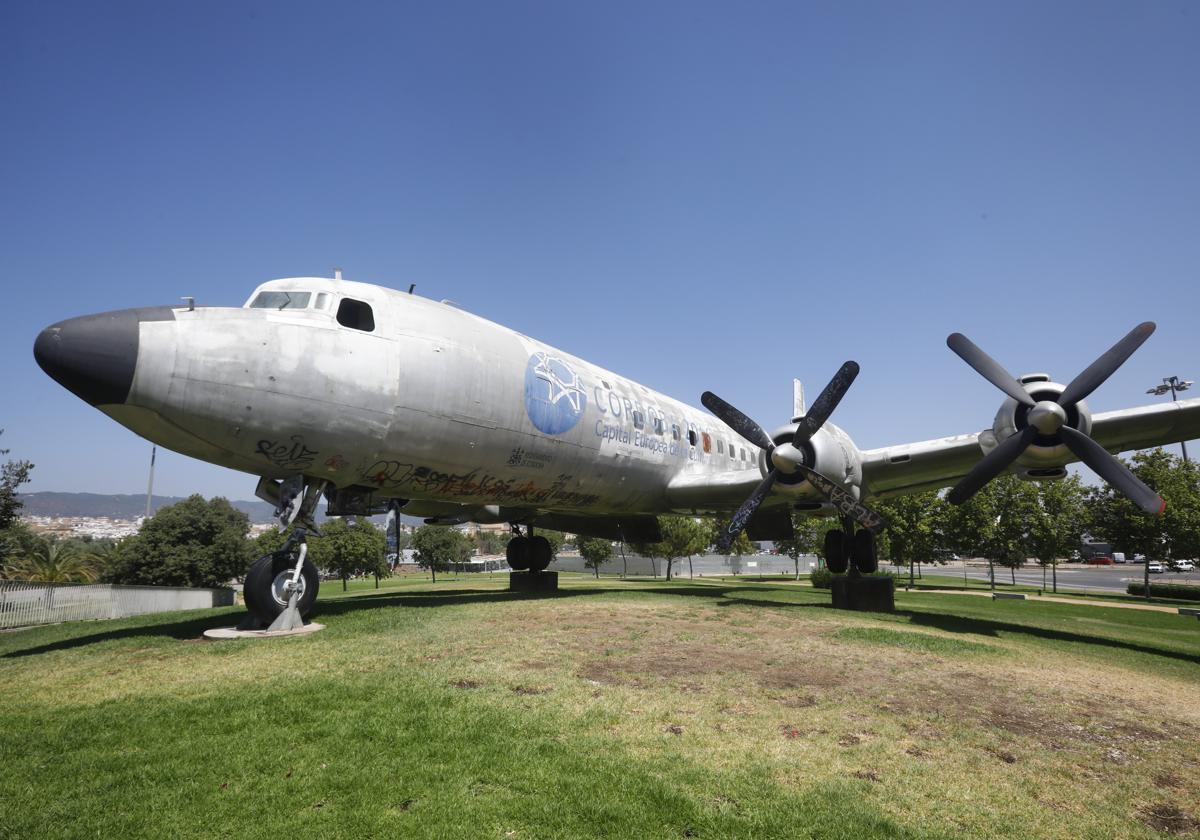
(554, 396)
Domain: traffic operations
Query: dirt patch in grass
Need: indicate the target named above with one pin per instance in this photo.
(685, 664)
(1168, 818)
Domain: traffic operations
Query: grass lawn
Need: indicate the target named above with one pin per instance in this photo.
(613, 709)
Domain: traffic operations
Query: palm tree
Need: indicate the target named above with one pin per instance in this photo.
(49, 561)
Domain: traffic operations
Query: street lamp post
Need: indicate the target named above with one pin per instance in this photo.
(1173, 384)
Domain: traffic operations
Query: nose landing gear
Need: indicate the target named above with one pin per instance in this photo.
(281, 587)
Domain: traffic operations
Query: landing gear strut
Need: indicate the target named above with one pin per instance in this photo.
(281, 587)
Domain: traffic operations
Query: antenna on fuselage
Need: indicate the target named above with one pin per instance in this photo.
(411, 286)
(337, 274)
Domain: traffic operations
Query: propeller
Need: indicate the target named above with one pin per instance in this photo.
(1049, 418)
(785, 457)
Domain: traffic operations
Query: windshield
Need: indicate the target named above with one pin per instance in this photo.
(281, 300)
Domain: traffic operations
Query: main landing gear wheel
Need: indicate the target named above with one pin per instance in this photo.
(864, 555)
(519, 553)
(264, 591)
(837, 557)
(539, 554)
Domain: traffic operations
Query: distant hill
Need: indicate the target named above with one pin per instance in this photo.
(119, 505)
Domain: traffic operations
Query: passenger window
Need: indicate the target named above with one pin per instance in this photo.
(733, 451)
(692, 436)
(658, 426)
(707, 442)
(638, 420)
(356, 315)
(675, 431)
(281, 300)
(720, 447)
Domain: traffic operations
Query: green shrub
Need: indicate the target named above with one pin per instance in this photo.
(823, 578)
(1179, 591)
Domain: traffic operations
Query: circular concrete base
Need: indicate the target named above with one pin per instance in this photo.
(234, 633)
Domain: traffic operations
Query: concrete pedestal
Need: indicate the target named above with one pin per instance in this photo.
(866, 594)
(533, 582)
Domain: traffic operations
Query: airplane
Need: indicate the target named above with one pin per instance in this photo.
(379, 401)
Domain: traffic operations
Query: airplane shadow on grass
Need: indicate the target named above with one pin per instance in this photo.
(193, 629)
(720, 595)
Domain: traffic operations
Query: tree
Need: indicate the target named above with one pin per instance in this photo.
(595, 553)
(192, 543)
(1174, 533)
(1057, 526)
(347, 549)
(682, 536)
(438, 546)
(489, 542)
(913, 528)
(12, 475)
(739, 548)
(809, 537)
(51, 561)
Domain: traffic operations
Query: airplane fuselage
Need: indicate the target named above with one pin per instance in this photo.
(372, 388)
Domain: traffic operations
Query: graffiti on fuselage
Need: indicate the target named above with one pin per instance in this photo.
(394, 475)
(289, 454)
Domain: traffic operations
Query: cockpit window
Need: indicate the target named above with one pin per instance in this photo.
(281, 300)
(356, 315)
(322, 301)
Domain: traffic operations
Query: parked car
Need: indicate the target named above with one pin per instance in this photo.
(1183, 566)
(1099, 560)
(1154, 567)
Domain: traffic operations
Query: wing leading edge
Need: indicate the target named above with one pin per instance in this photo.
(933, 464)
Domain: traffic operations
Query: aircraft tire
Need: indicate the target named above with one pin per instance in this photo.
(539, 554)
(836, 558)
(263, 597)
(518, 553)
(865, 556)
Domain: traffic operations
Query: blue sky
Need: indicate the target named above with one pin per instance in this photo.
(717, 196)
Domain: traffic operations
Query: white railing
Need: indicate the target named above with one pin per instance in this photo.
(24, 604)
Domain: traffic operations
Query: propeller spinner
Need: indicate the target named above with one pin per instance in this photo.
(1049, 418)
(785, 458)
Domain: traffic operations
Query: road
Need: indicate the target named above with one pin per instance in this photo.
(1097, 578)
(1073, 576)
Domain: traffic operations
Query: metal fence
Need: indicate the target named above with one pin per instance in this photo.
(24, 604)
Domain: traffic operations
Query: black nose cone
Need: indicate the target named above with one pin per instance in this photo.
(94, 357)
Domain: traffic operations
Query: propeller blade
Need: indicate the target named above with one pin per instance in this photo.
(989, 369)
(825, 403)
(992, 465)
(742, 516)
(1102, 368)
(1112, 470)
(846, 504)
(737, 421)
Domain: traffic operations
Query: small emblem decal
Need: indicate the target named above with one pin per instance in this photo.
(554, 396)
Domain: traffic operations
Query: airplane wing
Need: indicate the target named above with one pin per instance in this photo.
(932, 464)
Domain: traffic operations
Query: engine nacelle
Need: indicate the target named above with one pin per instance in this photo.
(830, 452)
(1044, 458)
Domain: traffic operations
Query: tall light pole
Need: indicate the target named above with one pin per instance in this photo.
(1173, 384)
